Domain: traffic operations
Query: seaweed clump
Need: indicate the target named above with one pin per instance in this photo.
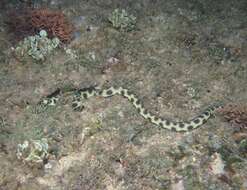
(121, 20)
(38, 46)
(35, 151)
(235, 114)
(28, 22)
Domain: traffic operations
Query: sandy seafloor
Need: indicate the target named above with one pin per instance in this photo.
(181, 57)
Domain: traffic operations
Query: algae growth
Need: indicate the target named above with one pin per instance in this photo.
(121, 20)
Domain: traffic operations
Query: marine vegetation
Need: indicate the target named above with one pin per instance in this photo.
(121, 20)
(38, 46)
(35, 151)
(28, 22)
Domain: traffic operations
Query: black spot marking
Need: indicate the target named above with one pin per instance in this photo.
(53, 94)
(190, 127)
(181, 125)
(132, 100)
(213, 108)
(74, 104)
(196, 121)
(168, 122)
(90, 90)
(128, 92)
(122, 92)
(77, 107)
(206, 113)
(84, 95)
(161, 124)
(145, 112)
(138, 102)
(201, 116)
(204, 120)
(109, 92)
(174, 129)
(139, 110)
(77, 93)
(149, 119)
(100, 92)
(156, 118)
(141, 106)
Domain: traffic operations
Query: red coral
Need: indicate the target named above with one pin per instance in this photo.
(29, 21)
(54, 22)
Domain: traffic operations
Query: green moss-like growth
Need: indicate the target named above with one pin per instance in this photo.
(121, 20)
(38, 46)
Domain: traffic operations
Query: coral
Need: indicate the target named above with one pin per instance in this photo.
(35, 151)
(38, 46)
(235, 114)
(53, 22)
(121, 20)
(27, 22)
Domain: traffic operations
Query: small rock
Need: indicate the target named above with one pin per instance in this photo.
(217, 165)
